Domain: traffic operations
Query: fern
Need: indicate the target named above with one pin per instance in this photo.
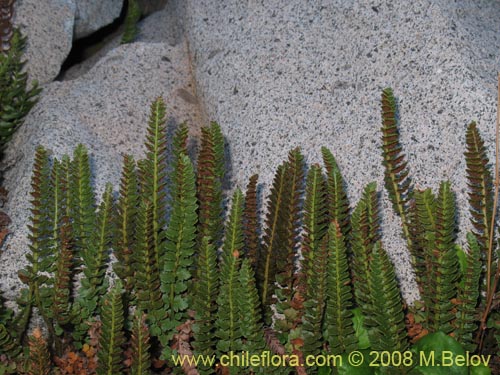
(140, 346)
(8, 344)
(39, 357)
(480, 185)
(126, 223)
(338, 203)
(397, 180)
(385, 315)
(228, 327)
(61, 305)
(154, 173)
(206, 288)
(112, 338)
(338, 325)
(95, 259)
(209, 179)
(442, 283)
(6, 28)
(147, 275)
(16, 100)
(365, 234)
(251, 222)
(276, 262)
(251, 325)
(180, 241)
(133, 16)
(465, 323)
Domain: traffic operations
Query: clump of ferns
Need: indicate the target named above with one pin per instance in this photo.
(457, 287)
(183, 257)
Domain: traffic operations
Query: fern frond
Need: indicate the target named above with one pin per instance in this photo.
(6, 28)
(365, 222)
(480, 184)
(63, 280)
(16, 100)
(276, 262)
(180, 243)
(228, 328)
(126, 224)
(206, 289)
(251, 222)
(209, 179)
(95, 260)
(466, 323)
(314, 226)
(153, 175)
(397, 180)
(140, 345)
(384, 315)
(338, 325)
(112, 337)
(314, 305)
(82, 201)
(133, 16)
(250, 322)
(147, 274)
(338, 203)
(8, 344)
(442, 283)
(39, 357)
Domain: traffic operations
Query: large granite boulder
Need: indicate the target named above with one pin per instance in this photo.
(282, 74)
(107, 110)
(91, 15)
(49, 25)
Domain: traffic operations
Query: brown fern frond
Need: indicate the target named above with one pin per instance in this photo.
(6, 29)
(39, 358)
(251, 221)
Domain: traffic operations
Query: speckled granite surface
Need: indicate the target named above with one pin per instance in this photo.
(279, 74)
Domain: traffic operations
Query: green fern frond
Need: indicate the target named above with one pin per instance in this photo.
(180, 247)
(82, 201)
(63, 279)
(16, 100)
(250, 322)
(204, 302)
(365, 222)
(153, 175)
(112, 337)
(338, 325)
(209, 179)
(251, 222)
(180, 140)
(126, 224)
(140, 345)
(228, 327)
(314, 226)
(8, 345)
(480, 184)
(95, 260)
(316, 295)
(133, 16)
(384, 315)
(397, 179)
(147, 274)
(466, 323)
(338, 203)
(442, 282)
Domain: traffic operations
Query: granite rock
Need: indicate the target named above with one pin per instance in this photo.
(107, 110)
(48, 24)
(91, 15)
(286, 73)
